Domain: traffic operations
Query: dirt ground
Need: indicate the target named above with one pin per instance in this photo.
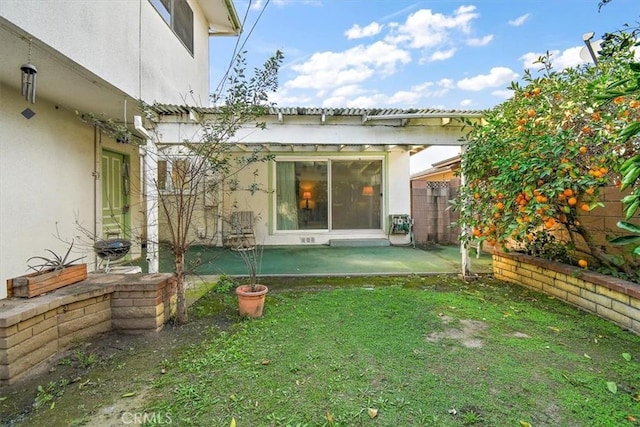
(102, 382)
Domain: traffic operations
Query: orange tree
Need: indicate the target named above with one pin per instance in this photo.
(538, 162)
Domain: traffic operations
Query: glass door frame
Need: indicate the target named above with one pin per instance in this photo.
(329, 159)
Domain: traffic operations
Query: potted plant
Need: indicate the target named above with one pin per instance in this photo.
(251, 296)
(52, 273)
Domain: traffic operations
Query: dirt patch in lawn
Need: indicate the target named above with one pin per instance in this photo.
(468, 333)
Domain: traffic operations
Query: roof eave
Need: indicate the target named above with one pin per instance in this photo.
(222, 17)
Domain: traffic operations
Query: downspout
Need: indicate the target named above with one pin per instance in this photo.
(97, 190)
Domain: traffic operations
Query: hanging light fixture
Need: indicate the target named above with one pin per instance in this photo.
(29, 77)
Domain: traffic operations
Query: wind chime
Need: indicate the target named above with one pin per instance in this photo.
(29, 77)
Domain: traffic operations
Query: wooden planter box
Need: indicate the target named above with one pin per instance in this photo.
(34, 284)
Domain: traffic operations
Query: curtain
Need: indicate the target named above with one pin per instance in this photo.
(286, 197)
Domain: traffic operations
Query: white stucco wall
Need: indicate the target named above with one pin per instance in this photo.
(125, 42)
(47, 182)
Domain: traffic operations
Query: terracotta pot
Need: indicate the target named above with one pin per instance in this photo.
(251, 303)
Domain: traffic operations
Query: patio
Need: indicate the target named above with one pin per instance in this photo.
(324, 260)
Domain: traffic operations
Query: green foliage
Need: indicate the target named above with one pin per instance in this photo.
(540, 160)
(48, 394)
(54, 262)
(224, 284)
(547, 246)
(630, 169)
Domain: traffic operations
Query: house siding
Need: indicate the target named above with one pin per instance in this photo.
(41, 162)
(124, 42)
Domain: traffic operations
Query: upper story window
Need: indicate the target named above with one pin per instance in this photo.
(179, 16)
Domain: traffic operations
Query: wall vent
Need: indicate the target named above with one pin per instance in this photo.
(307, 240)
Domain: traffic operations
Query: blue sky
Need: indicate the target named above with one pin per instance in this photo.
(412, 54)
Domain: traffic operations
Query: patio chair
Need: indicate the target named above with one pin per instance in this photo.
(241, 235)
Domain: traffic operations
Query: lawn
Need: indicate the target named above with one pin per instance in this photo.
(411, 351)
(350, 351)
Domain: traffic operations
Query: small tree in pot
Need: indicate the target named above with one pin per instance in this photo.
(251, 296)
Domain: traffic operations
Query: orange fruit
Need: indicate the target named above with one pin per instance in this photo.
(568, 192)
(634, 104)
(585, 207)
(500, 206)
(583, 149)
(541, 199)
(476, 196)
(531, 113)
(476, 232)
(583, 263)
(572, 201)
(536, 91)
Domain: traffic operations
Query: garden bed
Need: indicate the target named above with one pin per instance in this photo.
(610, 298)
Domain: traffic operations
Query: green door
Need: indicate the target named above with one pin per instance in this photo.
(115, 195)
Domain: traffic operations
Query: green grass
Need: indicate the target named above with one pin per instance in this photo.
(396, 345)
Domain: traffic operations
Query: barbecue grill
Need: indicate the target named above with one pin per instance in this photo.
(111, 250)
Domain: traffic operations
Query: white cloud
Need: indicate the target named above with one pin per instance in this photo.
(503, 93)
(358, 32)
(466, 102)
(498, 76)
(559, 60)
(425, 29)
(446, 83)
(405, 97)
(348, 91)
(480, 42)
(332, 69)
(519, 20)
(441, 55)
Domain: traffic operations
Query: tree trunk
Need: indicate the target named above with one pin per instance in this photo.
(182, 317)
(598, 253)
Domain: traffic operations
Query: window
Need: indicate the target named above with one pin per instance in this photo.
(331, 194)
(174, 174)
(179, 16)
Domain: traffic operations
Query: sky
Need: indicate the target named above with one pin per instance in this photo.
(446, 54)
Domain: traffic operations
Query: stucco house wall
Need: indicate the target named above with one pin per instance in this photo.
(118, 40)
(48, 184)
(97, 57)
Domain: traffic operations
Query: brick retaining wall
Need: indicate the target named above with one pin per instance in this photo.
(610, 298)
(36, 329)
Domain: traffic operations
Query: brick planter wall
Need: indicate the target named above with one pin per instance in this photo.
(610, 298)
(34, 330)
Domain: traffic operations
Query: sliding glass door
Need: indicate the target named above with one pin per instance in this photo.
(331, 194)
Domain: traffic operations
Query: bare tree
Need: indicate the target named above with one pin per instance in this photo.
(206, 164)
